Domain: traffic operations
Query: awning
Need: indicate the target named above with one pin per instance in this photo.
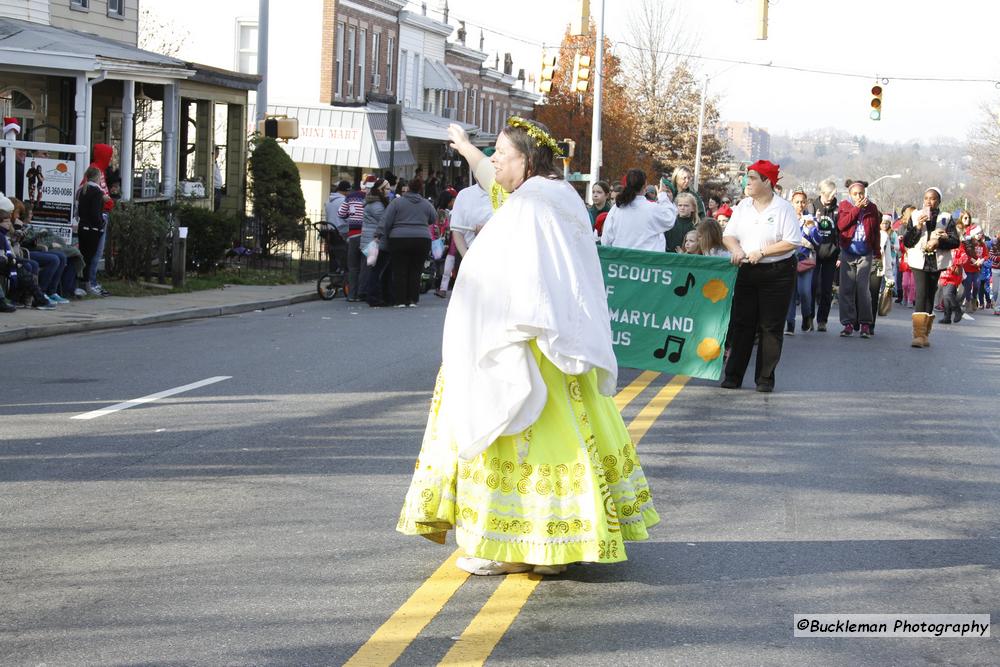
(438, 77)
(423, 125)
(35, 45)
(342, 136)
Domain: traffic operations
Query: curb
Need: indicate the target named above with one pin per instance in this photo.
(46, 330)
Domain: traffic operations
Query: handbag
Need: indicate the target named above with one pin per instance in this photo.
(885, 302)
(807, 264)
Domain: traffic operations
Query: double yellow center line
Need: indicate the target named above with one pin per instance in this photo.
(482, 635)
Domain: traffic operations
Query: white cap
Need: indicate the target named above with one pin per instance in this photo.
(6, 205)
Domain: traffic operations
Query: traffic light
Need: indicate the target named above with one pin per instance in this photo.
(876, 103)
(581, 73)
(548, 71)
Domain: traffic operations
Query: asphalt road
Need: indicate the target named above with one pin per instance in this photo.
(251, 521)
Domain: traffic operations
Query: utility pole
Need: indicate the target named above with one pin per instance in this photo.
(262, 19)
(595, 138)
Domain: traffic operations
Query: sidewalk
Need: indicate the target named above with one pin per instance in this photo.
(115, 311)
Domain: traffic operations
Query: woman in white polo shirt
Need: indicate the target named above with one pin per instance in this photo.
(634, 221)
(762, 236)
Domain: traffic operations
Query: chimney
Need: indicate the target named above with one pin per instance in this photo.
(444, 12)
(423, 8)
(482, 39)
(461, 33)
(508, 64)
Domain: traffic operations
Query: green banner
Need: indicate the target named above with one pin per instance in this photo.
(669, 312)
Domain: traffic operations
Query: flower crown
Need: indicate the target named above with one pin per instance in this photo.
(541, 137)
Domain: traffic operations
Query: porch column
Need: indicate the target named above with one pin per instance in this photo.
(82, 123)
(171, 119)
(128, 137)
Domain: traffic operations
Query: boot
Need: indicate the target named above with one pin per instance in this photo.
(929, 319)
(919, 321)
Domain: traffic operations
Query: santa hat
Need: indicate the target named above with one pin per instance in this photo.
(725, 210)
(10, 124)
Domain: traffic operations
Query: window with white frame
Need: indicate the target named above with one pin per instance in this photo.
(362, 51)
(352, 37)
(404, 63)
(246, 47)
(492, 118)
(116, 9)
(81, 5)
(416, 80)
(465, 107)
(390, 54)
(338, 48)
(376, 46)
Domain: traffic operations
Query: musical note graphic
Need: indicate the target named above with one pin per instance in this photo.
(675, 356)
(688, 284)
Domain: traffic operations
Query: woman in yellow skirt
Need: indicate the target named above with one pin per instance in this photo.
(525, 454)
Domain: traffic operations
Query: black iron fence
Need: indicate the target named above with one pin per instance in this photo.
(308, 258)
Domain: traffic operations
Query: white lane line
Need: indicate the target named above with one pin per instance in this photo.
(152, 397)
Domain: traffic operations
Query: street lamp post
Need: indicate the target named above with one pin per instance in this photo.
(595, 137)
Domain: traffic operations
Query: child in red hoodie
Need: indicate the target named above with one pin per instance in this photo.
(949, 281)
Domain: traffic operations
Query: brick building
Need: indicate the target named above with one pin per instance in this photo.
(359, 51)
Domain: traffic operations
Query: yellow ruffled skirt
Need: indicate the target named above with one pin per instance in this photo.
(569, 488)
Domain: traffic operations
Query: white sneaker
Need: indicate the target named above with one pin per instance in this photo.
(485, 567)
(79, 293)
(970, 318)
(93, 291)
(549, 570)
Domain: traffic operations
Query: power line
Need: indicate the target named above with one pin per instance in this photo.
(792, 68)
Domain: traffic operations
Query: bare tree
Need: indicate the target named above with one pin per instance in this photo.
(658, 34)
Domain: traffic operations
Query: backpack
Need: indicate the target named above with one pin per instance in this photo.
(828, 246)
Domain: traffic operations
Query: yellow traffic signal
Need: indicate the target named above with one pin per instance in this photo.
(581, 73)
(876, 103)
(548, 71)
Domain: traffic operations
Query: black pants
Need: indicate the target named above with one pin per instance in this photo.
(952, 304)
(926, 283)
(875, 287)
(760, 304)
(823, 275)
(354, 260)
(375, 288)
(406, 256)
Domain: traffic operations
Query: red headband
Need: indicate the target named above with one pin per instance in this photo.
(767, 170)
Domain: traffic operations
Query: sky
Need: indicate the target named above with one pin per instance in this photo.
(879, 39)
(883, 38)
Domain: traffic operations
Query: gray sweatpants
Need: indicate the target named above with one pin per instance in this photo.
(854, 296)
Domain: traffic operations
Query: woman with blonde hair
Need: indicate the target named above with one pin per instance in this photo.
(681, 181)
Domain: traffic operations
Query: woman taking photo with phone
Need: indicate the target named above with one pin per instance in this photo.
(929, 240)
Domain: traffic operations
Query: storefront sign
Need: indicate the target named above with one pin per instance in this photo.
(50, 189)
(669, 312)
(329, 138)
(382, 141)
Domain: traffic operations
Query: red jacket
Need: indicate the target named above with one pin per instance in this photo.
(981, 252)
(847, 216)
(102, 160)
(953, 274)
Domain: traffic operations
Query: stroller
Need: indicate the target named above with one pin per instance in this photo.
(335, 279)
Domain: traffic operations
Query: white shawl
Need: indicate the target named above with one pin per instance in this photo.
(533, 273)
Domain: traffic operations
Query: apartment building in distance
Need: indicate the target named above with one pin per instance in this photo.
(745, 142)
